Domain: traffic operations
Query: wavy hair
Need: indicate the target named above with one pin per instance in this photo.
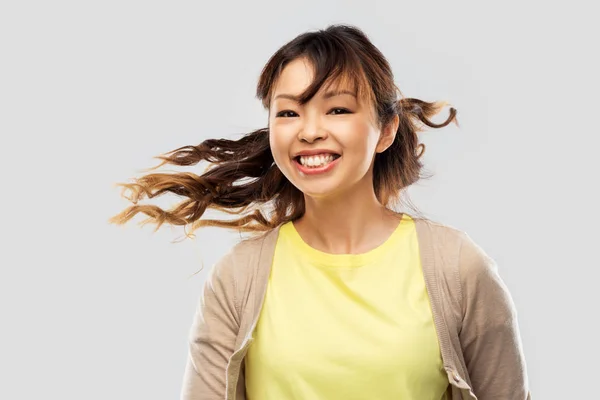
(242, 178)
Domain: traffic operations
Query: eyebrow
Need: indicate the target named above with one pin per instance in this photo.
(327, 95)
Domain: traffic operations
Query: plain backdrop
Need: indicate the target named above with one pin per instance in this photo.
(91, 91)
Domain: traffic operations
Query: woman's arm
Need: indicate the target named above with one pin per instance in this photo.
(490, 334)
(212, 335)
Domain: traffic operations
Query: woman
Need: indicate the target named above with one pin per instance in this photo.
(339, 297)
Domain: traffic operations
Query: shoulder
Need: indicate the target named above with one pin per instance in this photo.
(242, 252)
(471, 258)
(479, 292)
(253, 248)
(238, 265)
(460, 261)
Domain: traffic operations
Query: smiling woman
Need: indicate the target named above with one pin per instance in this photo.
(339, 57)
(341, 296)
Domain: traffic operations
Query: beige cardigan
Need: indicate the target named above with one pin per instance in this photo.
(473, 312)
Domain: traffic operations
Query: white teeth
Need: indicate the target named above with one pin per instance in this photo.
(316, 160)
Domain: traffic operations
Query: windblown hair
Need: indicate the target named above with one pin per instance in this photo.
(243, 179)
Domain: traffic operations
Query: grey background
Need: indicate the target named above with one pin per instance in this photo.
(91, 91)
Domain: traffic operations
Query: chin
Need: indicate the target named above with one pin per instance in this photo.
(319, 191)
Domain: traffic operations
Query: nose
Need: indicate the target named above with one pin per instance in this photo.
(312, 131)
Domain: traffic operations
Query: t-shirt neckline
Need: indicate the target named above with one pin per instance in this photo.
(322, 258)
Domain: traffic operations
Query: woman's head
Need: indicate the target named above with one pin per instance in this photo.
(326, 146)
(329, 90)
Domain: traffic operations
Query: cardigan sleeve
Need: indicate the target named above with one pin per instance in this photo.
(489, 334)
(212, 336)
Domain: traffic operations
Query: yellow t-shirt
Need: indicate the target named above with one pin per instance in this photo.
(346, 326)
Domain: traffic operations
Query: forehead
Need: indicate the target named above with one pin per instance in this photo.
(295, 77)
(299, 74)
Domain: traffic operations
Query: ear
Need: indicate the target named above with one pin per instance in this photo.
(388, 134)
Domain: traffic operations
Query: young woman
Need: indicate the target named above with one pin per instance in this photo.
(339, 296)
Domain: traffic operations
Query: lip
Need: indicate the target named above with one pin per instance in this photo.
(316, 170)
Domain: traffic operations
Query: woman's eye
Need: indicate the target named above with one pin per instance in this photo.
(336, 111)
(286, 114)
(291, 114)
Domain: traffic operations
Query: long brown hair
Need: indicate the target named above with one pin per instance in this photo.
(242, 178)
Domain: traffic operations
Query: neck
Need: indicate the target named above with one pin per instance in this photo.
(347, 224)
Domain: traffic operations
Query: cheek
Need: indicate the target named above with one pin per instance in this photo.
(279, 147)
(361, 140)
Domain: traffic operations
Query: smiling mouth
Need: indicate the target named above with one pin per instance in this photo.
(316, 161)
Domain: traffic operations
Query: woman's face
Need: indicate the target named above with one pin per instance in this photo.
(326, 147)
